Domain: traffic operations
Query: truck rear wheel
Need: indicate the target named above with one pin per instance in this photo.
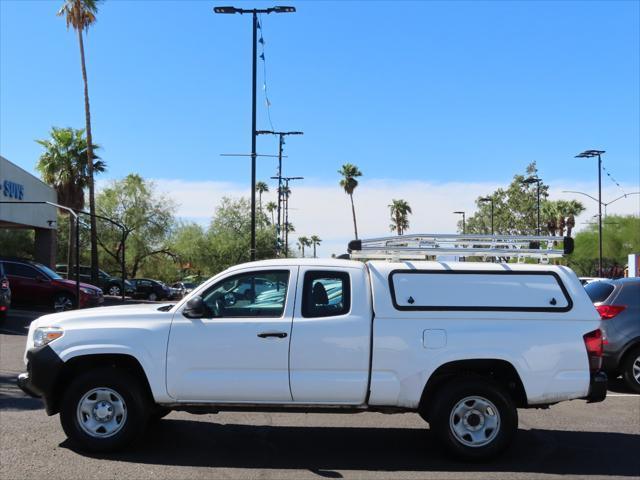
(103, 410)
(474, 418)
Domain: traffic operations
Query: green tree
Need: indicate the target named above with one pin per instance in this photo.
(261, 187)
(147, 218)
(349, 183)
(315, 241)
(63, 165)
(229, 235)
(400, 211)
(272, 207)
(302, 243)
(560, 215)
(515, 208)
(80, 15)
(17, 242)
(620, 237)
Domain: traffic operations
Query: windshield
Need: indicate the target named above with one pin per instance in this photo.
(189, 285)
(50, 273)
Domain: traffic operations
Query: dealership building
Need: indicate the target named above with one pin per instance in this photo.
(19, 186)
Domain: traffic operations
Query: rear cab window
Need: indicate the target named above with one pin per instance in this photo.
(599, 291)
(326, 294)
(474, 290)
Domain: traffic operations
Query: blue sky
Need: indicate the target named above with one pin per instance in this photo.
(435, 92)
(440, 91)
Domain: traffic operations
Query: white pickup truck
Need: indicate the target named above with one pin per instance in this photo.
(462, 344)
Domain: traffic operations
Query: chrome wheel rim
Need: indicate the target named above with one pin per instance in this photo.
(62, 303)
(474, 421)
(101, 412)
(635, 369)
(114, 290)
(153, 297)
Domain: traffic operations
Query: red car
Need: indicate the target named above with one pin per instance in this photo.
(35, 284)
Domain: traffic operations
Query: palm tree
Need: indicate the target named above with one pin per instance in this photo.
(400, 211)
(261, 187)
(271, 207)
(303, 242)
(63, 165)
(315, 241)
(80, 15)
(349, 174)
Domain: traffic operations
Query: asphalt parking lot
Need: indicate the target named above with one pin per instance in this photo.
(572, 439)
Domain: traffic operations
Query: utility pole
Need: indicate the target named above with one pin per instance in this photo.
(286, 212)
(254, 12)
(281, 136)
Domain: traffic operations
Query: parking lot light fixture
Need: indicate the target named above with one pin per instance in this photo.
(464, 228)
(593, 154)
(536, 180)
(485, 200)
(254, 58)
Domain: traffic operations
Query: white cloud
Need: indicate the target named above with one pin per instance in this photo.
(324, 209)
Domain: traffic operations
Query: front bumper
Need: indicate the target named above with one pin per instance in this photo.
(597, 387)
(43, 371)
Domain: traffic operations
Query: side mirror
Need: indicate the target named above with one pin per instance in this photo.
(40, 278)
(195, 308)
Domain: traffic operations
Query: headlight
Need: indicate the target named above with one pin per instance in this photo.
(45, 335)
(88, 291)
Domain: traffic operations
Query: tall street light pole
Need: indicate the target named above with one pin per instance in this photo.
(592, 154)
(536, 180)
(254, 60)
(281, 136)
(464, 228)
(489, 199)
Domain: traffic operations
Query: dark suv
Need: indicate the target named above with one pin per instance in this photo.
(150, 289)
(618, 302)
(5, 293)
(35, 284)
(108, 284)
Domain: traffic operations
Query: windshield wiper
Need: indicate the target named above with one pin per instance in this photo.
(166, 308)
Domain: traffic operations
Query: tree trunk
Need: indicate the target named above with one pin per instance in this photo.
(92, 202)
(71, 247)
(314, 251)
(353, 211)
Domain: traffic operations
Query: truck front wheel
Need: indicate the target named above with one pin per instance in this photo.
(474, 418)
(103, 410)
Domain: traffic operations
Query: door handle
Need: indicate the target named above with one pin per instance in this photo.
(272, 334)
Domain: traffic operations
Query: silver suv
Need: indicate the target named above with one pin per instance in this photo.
(618, 302)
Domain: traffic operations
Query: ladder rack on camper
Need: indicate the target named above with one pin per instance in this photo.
(424, 246)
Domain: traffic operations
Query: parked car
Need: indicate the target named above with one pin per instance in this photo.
(108, 283)
(462, 344)
(183, 288)
(618, 302)
(35, 284)
(150, 289)
(5, 293)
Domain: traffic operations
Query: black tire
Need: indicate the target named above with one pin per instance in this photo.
(631, 360)
(63, 301)
(135, 405)
(487, 394)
